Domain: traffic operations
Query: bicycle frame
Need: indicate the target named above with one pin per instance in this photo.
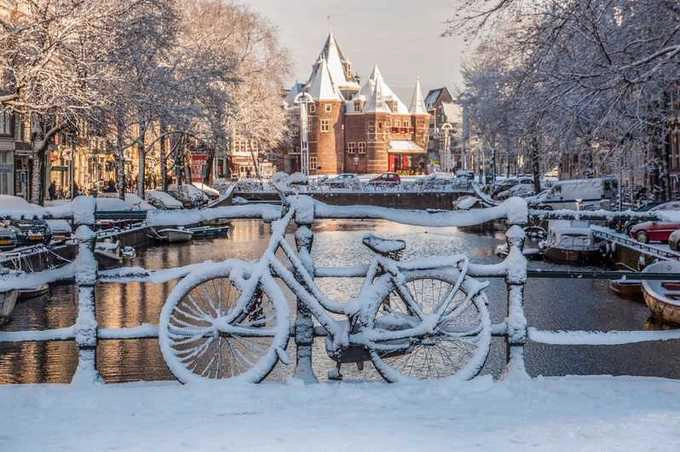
(382, 270)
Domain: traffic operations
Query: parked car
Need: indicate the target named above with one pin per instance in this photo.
(507, 184)
(386, 179)
(162, 200)
(521, 190)
(586, 194)
(674, 240)
(344, 180)
(653, 231)
(465, 175)
(652, 207)
(656, 231)
(188, 195)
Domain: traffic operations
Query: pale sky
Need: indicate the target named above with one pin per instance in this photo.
(401, 36)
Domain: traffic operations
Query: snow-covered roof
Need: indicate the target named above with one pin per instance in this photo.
(378, 96)
(335, 61)
(417, 103)
(432, 97)
(405, 147)
(320, 85)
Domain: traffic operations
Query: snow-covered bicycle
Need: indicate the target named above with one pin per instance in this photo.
(421, 319)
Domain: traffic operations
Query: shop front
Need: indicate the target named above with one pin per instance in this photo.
(406, 157)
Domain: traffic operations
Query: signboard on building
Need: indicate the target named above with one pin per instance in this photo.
(198, 163)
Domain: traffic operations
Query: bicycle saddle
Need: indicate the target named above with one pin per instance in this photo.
(383, 246)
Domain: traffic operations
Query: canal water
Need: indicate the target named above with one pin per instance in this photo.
(550, 304)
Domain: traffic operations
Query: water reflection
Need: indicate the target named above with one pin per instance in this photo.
(565, 304)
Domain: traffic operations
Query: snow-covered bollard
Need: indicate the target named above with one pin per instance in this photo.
(86, 280)
(304, 324)
(516, 322)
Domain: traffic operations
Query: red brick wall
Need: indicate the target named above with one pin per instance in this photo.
(326, 147)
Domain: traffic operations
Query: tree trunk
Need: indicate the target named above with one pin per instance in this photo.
(163, 157)
(209, 163)
(141, 155)
(535, 162)
(40, 141)
(120, 161)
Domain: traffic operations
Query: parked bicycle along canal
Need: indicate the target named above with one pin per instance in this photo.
(550, 304)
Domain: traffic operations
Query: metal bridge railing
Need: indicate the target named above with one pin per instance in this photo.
(514, 328)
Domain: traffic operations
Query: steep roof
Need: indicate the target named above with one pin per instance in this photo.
(437, 95)
(335, 60)
(320, 85)
(417, 103)
(378, 96)
(375, 102)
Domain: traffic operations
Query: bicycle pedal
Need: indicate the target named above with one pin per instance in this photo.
(334, 375)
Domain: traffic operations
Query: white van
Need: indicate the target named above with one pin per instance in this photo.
(585, 194)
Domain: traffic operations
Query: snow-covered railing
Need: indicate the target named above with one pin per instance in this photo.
(619, 239)
(514, 328)
(422, 185)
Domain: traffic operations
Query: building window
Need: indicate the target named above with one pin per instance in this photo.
(313, 163)
(312, 108)
(371, 127)
(328, 108)
(6, 123)
(351, 148)
(357, 106)
(362, 148)
(325, 125)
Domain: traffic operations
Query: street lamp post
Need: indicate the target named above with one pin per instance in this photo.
(303, 100)
(445, 156)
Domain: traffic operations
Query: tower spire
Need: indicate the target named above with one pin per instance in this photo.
(417, 102)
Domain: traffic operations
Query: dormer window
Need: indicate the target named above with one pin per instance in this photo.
(358, 107)
(392, 104)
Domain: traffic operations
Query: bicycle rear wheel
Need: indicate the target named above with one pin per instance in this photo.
(457, 349)
(192, 326)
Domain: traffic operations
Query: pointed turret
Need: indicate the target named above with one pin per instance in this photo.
(320, 85)
(339, 67)
(375, 103)
(417, 101)
(387, 98)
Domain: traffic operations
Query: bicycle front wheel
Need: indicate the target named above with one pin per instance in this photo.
(458, 347)
(208, 332)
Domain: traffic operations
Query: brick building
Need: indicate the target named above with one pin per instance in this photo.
(353, 128)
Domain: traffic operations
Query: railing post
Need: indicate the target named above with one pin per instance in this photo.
(516, 321)
(304, 323)
(86, 280)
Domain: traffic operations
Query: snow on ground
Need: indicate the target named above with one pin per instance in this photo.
(567, 413)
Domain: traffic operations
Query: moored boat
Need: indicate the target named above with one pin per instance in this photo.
(571, 244)
(663, 297)
(172, 235)
(203, 232)
(33, 292)
(8, 300)
(630, 289)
